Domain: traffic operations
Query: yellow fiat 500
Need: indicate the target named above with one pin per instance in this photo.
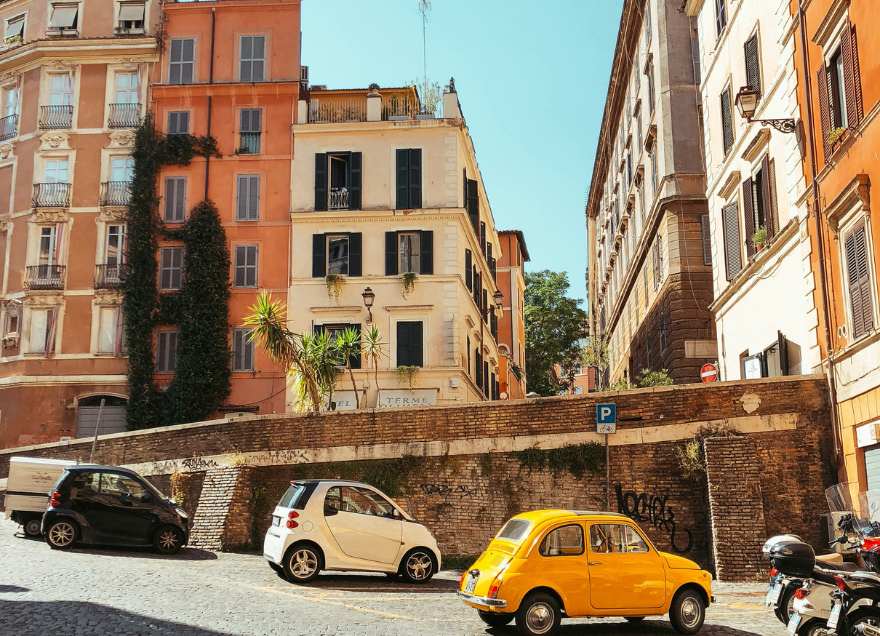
(548, 564)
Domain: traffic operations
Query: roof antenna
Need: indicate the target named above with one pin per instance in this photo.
(424, 8)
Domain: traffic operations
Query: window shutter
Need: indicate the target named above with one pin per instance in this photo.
(241, 208)
(468, 273)
(473, 205)
(320, 182)
(485, 304)
(483, 237)
(732, 244)
(850, 79)
(855, 292)
(767, 197)
(402, 179)
(251, 262)
(319, 259)
(355, 360)
(245, 55)
(175, 59)
(753, 63)
(493, 268)
(354, 181)
(749, 216)
(426, 252)
(726, 121)
(655, 254)
(707, 239)
(253, 213)
(415, 178)
(409, 344)
(858, 278)
(857, 76)
(240, 260)
(391, 261)
(170, 198)
(864, 276)
(782, 344)
(774, 202)
(355, 242)
(189, 57)
(824, 108)
(259, 56)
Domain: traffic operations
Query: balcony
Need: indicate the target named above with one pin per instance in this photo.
(56, 117)
(125, 115)
(339, 200)
(51, 195)
(337, 111)
(44, 277)
(8, 127)
(109, 276)
(115, 193)
(250, 144)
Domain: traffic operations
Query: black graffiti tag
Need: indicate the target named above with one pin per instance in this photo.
(652, 509)
(446, 491)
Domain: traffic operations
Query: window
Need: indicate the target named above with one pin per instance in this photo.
(14, 28)
(695, 53)
(178, 122)
(758, 208)
(468, 273)
(656, 252)
(650, 74)
(639, 132)
(720, 15)
(114, 246)
(858, 279)
(55, 171)
(629, 167)
(121, 486)
(837, 87)
(408, 252)
(642, 202)
(753, 63)
(122, 169)
(362, 501)
(614, 538)
(175, 199)
(131, 17)
(840, 88)
(250, 127)
(13, 318)
(732, 250)
(127, 88)
(182, 57)
(706, 234)
(565, 541)
(726, 121)
(109, 329)
(63, 16)
(655, 172)
(166, 352)
(578, 390)
(48, 247)
(42, 336)
(409, 344)
(409, 178)
(337, 254)
(248, 199)
(647, 22)
(338, 181)
(242, 350)
(60, 90)
(411, 252)
(662, 332)
(245, 265)
(171, 268)
(252, 58)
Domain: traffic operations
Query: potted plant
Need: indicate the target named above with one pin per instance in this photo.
(334, 286)
(408, 375)
(835, 135)
(407, 284)
(13, 39)
(759, 238)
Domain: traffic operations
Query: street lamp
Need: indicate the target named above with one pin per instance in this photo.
(747, 103)
(498, 297)
(369, 298)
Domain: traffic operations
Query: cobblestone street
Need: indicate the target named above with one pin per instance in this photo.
(99, 591)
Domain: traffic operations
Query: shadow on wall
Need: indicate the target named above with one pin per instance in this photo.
(32, 618)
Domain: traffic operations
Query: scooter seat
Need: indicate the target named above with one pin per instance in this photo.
(840, 567)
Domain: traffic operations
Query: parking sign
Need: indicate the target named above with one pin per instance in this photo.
(606, 418)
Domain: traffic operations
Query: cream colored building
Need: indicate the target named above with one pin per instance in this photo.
(378, 191)
(762, 306)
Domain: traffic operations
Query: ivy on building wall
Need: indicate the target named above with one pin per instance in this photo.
(200, 309)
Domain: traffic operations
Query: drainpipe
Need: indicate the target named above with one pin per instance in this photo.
(823, 284)
(210, 100)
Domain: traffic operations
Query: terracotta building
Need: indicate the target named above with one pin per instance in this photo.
(511, 325)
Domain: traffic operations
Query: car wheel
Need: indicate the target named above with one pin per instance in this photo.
(634, 619)
(494, 619)
(167, 540)
(61, 534)
(688, 612)
(302, 563)
(32, 528)
(417, 566)
(276, 567)
(785, 608)
(538, 615)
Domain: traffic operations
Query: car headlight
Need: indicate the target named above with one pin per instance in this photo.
(182, 513)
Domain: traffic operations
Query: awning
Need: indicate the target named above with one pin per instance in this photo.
(131, 12)
(63, 16)
(14, 28)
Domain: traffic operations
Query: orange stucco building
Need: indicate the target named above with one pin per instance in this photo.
(511, 325)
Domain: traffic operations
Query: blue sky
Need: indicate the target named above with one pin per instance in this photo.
(531, 78)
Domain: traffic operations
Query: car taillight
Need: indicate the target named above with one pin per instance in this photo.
(292, 524)
(496, 584)
(801, 593)
(774, 572)
(293, 514)
(461, 582)
(840, 583)
(56, 499)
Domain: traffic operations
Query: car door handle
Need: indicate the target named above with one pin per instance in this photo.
(594, 563)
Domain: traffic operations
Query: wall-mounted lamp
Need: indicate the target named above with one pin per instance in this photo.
(498, 297)
(369, 298)
(747, 103)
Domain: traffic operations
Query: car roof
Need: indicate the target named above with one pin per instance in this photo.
(540, 516)
(99, 467)
(332, 482)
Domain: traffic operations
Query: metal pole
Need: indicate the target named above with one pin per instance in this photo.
(607, 475)
(98, 426)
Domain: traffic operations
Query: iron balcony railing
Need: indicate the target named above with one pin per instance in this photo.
(115, 193)
(51, 195)
(8, 127)
(339, 200)
(56, 117)
(44, 277)
(336, 112)
(109, 276)
(250, 144)
(125, 115)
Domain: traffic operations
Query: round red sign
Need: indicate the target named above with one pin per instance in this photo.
(709, 373)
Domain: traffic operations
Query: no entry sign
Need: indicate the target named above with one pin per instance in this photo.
(709, 373)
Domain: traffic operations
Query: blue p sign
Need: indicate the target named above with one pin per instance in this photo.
(606, 418)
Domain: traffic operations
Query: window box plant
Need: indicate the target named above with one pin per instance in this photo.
(835, 135)
(407, 284)
(334, 286)
(759, 238)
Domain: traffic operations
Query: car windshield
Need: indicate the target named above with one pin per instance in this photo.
(291, 496)
(514, 530)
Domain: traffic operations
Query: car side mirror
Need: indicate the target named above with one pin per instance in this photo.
(329, 511)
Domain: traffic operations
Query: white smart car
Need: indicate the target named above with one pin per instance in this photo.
(343, 525)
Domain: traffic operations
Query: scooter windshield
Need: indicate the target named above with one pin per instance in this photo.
(869, 513)
(839, 499)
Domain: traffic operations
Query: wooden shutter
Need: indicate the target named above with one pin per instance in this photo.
(468, 274)
(258, 57)
(355, 360)
(254, 197)
(415, 178)
(485, 304)
(859, 280)
(319, 258)
(175, 58)
(473, 205)
(782, 344)
(753, 63)
(749, 216)
(251, 263)
(426, 252)
(766, 197)
(391, 260)
(355, 243)
(320, 182)
(240, 261)
(726, 121)
(774, 201)
(354, 181)
(857, 75)
(732, 243)
(409, 344)
(402, 179)
(245, 56)
(188, 65)
(483, 237)
(493, 268)
(852, 81)
(170, 198)
(824, 108)
(706, 235)
(655, 254)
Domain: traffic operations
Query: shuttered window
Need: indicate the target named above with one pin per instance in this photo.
(409, 252)
(726, 121)
(858, 278)
(753, 63)
(650, 74)
(409, 178)
(337, 254)
(175, 199)
(732, 242)
(720, 15)
(655, 254)
(178, 122)
(248, 200)
(245, 265)
(242, 350)
(250, 129)
(252, 58)
(840, 88)
(409, 344)
(648, 22)
(468, 273)
(706, 234)
(166, 352)
(170, 268)
(182, 57)
(338, 181)
(695, 55)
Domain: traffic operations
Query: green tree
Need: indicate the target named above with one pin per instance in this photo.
(555, 324)
(348, 346)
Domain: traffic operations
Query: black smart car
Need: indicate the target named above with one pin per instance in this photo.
(112, 506)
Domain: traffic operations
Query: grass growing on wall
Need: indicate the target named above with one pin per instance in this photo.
(575, 459)
(388, 475)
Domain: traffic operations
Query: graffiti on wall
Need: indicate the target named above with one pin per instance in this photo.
(446, 491)
(653, 509)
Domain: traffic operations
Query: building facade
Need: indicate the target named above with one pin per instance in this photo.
(649, 279)
(511, 325)
(753, 178)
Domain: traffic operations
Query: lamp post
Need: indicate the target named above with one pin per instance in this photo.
(747, 103)
(369, 298)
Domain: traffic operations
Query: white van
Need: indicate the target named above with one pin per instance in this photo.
(27, 490)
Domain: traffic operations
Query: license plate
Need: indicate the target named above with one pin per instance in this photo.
(835, 616)
(471, 584)
(276, 521)
(773, 594)
(794, 623)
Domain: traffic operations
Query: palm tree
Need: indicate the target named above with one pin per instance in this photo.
(373, 348)
(348, 346)
(319, 353)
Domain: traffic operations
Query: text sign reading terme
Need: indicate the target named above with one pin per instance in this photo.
(606, 418)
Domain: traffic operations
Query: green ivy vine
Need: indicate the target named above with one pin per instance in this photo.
(200, 309)
(575, 459)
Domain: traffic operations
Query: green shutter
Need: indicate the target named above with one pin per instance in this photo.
(426, 249)
(319, 259)
(391, 253)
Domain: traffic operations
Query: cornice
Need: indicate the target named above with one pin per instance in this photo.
(80, 51)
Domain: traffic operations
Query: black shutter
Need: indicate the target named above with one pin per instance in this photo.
(409, 344)
(478, 368)
(426, 255)
(468, 273)
(822, 84)
(391, 253)
(486, 379)
(849, 79)
(473, 205)
(493, 268)
(354, 181)
(492, 386)
(355, 242)
(477, 283)
(766, 197)
(483, 237)
(749, 216)
(319, 260)
(707, 239)
(320, 182)
(355, 361)
(402, 179)
(485, 305)
(782, 343)
(857, 75)
(732, 243)
(753, 63)
(415, 178)
(726, 121)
